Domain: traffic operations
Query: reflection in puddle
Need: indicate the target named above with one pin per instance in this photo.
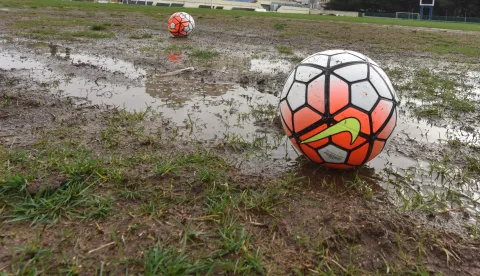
(53, 49)
(475, 77)
(421, 130)
(270, 66)
(175, 57)
(108, 64)
(177, 89)
(103, 63)
(224, 112)
(232, 116)
(9, 61)
(193, 94)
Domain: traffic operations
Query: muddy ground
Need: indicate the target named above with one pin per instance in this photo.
(109, 166)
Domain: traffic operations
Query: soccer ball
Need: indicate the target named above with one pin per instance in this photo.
(338, 108)
(181, 24)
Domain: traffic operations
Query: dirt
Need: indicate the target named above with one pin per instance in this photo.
(55, 91)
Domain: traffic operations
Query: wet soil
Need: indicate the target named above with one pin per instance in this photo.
(60, 89)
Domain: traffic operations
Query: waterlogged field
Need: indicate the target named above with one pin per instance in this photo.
(112, 162)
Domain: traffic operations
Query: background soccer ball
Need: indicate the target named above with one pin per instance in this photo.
(338, 108)
(181, 24)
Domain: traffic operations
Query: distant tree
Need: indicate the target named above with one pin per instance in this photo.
(442, 7)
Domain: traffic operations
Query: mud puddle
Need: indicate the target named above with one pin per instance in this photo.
(228, 115)
(182, 97)
(475, 77)
(218, 113)
(107, 64)
(208, 105)
(270, 66)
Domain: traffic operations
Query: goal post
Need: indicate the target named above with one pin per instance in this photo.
(407, 15)
(428, 3)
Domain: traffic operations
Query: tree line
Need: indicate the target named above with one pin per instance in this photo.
(469, 8)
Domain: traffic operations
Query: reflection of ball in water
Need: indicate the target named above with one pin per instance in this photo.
(338, 108)
(181, 24)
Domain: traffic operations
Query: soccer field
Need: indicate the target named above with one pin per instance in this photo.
(124, 151)
(150, 9)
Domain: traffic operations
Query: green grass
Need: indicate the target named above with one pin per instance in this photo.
(43, 31)
(443, 92)
(280, 25)
(5, 99)
(473, 164)
(31, 260)
(162, 260)
(232, 237)
(41, 34)
(6, 37)
(296, 59)
(285, 50)
(71, 201)
(204, 54)
(88, 6)
(74, 199)
(98, 27)
(154, 207)
(432, 111)
(168, 261)
(176, 47)
(140, 36)
(166, 167)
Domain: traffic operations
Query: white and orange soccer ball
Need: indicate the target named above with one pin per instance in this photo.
(181, 24)
(338, 108)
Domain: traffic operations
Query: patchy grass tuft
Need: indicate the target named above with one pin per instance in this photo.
(31, 260)
(284, 50)
(296, 59)
(280, 25)
(168, 261)
(440, 92)
(98, 28)
(204, 54)
(425, 111)
(175, 47)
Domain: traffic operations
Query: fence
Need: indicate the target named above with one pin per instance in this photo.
(435, 18)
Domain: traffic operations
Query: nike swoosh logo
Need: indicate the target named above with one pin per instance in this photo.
(351, 125)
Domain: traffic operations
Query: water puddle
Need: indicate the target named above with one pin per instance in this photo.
(197, 98)
(226, 64)
(474, 76)
(226, 114)
(421, 130)
(16, 61)
(223, 112)
(37, 45)
(103, 63)
(270, 66)
(175, 89)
